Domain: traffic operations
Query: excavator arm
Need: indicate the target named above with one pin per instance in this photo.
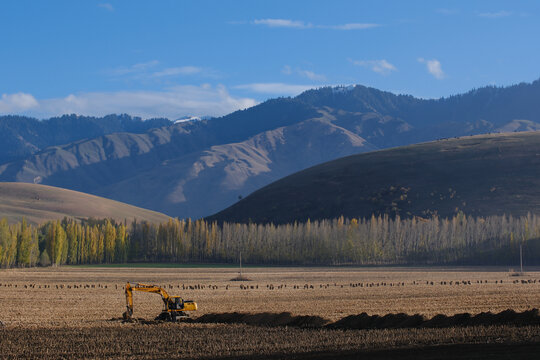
(129, 302)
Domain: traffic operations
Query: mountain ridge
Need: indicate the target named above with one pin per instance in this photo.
(233, 153)
(22, 136)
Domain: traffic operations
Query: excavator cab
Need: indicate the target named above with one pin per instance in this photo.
(176, 307)
(178, 303)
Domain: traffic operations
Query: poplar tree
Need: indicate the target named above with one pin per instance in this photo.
(60, 245)
(72, 233)
(27, 245)
(109, 238)
(8, 244)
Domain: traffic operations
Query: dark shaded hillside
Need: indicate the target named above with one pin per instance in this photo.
(480, 175)
(272, 114)
(498, 105)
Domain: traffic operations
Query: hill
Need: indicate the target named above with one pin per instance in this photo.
(478, 175)
(40, 203)
(22, 136)
(196, 168)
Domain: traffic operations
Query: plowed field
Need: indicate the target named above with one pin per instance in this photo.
(68, 312)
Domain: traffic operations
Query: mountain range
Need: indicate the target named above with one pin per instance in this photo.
(197, 168)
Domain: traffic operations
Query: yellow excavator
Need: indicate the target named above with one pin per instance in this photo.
(174, 306)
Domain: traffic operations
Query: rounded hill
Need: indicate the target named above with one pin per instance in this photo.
(477, 175)
(41, 203)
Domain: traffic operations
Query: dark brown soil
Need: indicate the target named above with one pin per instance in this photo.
(206, 341)
(396, 321)
(264, 319)
(439, 352)
(388, 321)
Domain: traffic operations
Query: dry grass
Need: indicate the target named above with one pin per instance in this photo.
(41, 203)
(34, 309)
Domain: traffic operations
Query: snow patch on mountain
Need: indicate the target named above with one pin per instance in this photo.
(187, 118)
(343, 89)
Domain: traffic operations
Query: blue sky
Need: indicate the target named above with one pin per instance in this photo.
(177, 58)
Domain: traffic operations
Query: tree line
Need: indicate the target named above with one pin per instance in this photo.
(378, 240)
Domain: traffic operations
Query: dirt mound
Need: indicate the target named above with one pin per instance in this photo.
(240, 278)
(394, 321)
(361, 321)
(388, 321)
(506, 317)
(265, 319)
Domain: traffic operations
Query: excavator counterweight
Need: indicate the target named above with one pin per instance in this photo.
(174, 306)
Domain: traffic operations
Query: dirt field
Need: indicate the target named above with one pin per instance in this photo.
(67, 312)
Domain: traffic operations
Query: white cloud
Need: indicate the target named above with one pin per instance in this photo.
(379, 66)
(151, 70)
(106, 6)
(287, 70)
(182, 70)
(281, 23)
(14, 103)
(495, 15)
(311, 75)
(275, 88)
(433, 67)
(171, 103)
(297, 24)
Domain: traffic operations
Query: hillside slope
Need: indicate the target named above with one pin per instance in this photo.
(22, 136)
(207, 181)
(40, 203)
(478, 175)
(193, 169)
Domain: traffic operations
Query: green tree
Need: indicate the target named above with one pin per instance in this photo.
(58, 246)
(109, 242)
(44, 259)
(8, 244)
(121, 244)
(27, 245)
(72, 234)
